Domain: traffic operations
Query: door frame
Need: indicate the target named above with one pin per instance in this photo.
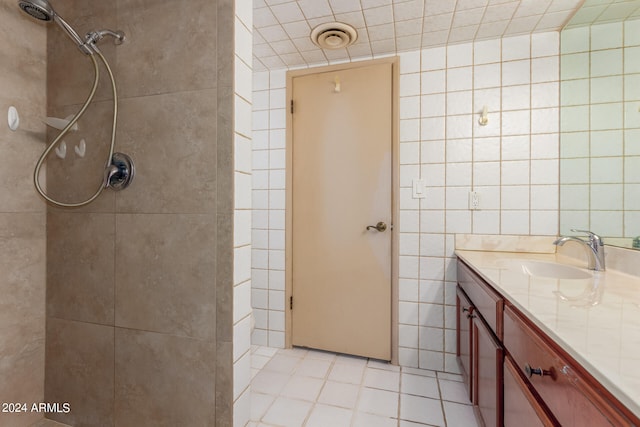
(395, 189)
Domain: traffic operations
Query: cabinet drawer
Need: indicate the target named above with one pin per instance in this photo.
(484, 299)
(573, 399)
(522, 408)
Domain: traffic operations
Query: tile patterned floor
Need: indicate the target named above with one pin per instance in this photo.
(308, 388)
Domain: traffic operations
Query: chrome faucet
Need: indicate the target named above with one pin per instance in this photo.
(594, 246)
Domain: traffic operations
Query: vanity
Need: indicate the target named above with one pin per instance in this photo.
(542, 341)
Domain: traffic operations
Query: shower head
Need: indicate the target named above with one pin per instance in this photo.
(39, 9)
(42, 10)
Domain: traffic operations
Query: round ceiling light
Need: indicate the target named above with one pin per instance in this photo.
(334, 35)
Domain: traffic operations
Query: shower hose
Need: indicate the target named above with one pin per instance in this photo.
(109, 167)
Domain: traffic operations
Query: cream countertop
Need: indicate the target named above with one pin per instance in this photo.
(596, 320)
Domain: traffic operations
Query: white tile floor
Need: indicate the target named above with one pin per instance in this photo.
(299, 387)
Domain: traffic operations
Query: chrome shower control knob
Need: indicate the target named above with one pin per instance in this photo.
(121, 172)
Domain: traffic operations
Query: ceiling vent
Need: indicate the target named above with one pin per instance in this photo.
(334, 35)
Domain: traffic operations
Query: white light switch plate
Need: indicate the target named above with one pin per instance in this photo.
(418, 189)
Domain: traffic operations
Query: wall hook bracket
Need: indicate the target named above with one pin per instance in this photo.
(483, 120)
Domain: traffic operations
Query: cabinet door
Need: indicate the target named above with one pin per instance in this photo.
(487, 373)
(463, 349)
(521, 407)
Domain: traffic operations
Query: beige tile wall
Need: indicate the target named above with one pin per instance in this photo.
(140, 283)
(22, 215)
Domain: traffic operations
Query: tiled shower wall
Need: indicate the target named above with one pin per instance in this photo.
(512, 163)
(600, 177)
(140, 282)
(22, 214)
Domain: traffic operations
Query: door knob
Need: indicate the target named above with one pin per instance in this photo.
(381, 226)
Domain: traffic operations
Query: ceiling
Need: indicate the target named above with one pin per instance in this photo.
(282, 27)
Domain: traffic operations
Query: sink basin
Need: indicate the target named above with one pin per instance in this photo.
(551, 270)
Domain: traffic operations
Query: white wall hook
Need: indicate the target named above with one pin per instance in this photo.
(81, 148)
(61, 150)
(337, 88)
(60, 124)
(13, 118)
(483, 120)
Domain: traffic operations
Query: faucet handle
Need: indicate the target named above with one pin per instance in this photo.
(592, 236)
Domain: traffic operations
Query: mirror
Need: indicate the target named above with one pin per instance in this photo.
(600, 121)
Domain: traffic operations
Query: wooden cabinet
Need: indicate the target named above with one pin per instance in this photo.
(487, 355)
(479, 349)
(463, 326)
(516, 375)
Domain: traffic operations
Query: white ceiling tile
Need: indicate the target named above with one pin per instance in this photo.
(463, 34)
(378, 15)
(283, 46)
(409, 28)
(282, 27)
(263, 49)
(359, 50)
(288, 12)
(435, 38)
(293, 59)
(315, 8)
(438, 22)
(274, 2)
(314, 57)
(374, 3)
(343, 6)
(273, 33)
(502, 12)
(381, 32)
(492, 30)
(406, 43)
(553, 20)
(383, 46)
(355, 19)
(586, 15)
(297, 29)
(263, 17)
(531, 7)
(523, 25)
(468, 17)
(619, 11)
(558, 5)
(408, 10)
(314, 22)
(272, 62)
(304, 44)
(470, 4)
(437, 7)
(336, 54)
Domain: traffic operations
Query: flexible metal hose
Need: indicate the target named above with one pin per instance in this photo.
(79, 114)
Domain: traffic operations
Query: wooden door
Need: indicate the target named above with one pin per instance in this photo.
(342, 183)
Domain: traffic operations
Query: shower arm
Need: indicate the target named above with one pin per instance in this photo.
(110, 169)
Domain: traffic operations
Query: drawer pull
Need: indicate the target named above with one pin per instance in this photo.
(535, 371)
